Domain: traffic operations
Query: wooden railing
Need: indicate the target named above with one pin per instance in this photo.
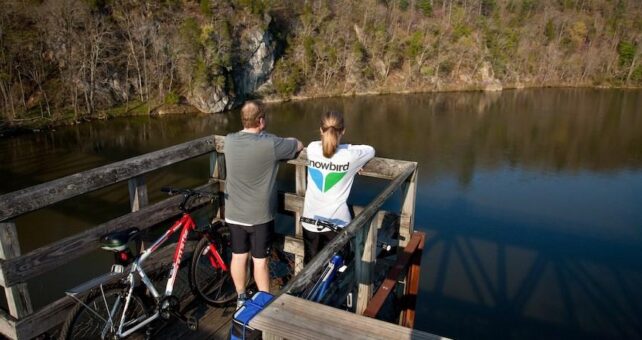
(292, 317)
(22, 322)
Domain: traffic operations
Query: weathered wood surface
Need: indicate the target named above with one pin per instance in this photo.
(7, 325)
(55, 313)
(18, 298)
(307, 275)
(34, 263)
(294, 318)
(42, 195)
(214, 323)
(408, 209)
(403, 261)
(137, 193)
(365, 254)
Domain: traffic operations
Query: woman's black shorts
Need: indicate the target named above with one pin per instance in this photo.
(257, 238)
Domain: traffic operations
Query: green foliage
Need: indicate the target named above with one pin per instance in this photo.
(96, 4)
(414, 45)
(201, 74)
(308, 48)
(461, 30)
(172, 98)
(626, 51)
(549, 31)
(404, 4)
(206, 9)
(190, 33)
(577, 34)
(425, 6)
(636, 76)
(257, 7)
(446, 68)
(528, 6)
(488, 7)
(287, 77)
(359, 51)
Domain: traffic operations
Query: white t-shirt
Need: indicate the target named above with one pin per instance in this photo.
(330, 180)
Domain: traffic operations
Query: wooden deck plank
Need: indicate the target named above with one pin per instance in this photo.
(294, 318)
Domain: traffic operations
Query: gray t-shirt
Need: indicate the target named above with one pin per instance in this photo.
(251, 163)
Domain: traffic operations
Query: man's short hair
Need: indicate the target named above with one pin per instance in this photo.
(251, 113)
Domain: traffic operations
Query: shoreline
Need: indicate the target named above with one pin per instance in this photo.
(9, 129)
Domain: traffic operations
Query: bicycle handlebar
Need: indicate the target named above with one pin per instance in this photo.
(320, 224)
(187, 194)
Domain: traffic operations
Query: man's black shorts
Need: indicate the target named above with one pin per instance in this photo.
(257, 238)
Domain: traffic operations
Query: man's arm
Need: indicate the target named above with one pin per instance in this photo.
(286, 148)
(299, 145)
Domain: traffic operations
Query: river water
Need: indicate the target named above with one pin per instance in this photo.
(531, 199)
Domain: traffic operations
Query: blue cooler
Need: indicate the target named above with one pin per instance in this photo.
(251, 307)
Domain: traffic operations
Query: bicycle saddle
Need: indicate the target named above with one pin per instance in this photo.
(118, 240)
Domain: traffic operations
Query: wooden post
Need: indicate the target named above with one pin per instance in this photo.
(407, 222)
(296, 246)
(137, 193)
(366, 239)
(18, 297)
(301, 187)
(217, 171)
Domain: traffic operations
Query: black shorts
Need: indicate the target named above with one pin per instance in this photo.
(257, 238)
(314, 242)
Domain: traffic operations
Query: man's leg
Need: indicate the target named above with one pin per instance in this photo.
(261, 242)
(238, 269)
(240, 250)
(261, 274)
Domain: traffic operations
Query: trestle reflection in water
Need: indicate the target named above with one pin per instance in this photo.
(531, 199)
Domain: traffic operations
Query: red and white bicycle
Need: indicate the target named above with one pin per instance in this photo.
(119, 310)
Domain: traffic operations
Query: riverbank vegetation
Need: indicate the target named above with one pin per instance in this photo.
(70, 60)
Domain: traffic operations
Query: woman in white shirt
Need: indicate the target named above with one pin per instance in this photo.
(331, 170)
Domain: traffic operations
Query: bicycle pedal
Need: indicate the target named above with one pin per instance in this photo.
(192, 323)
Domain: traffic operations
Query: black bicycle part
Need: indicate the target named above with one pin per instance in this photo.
(321, 224)
(213, 285)
(187, 195)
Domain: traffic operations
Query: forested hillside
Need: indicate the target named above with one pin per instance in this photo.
(65, 60)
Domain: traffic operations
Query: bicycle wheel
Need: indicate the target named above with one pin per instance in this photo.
(91, 320)
(213, 285)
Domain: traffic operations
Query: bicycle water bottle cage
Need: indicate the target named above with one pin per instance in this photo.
(117, 241)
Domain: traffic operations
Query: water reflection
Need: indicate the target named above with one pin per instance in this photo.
(530, 198)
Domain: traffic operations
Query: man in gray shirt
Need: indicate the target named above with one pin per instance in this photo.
(251, 160)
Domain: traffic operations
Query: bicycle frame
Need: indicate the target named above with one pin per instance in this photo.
(187, 224)
(321, 286)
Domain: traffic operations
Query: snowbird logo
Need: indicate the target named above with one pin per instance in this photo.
(329, 180)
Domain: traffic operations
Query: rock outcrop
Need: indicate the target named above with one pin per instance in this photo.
(256, 62)
(258, 56)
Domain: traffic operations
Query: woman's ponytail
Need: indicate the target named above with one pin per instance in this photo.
(331, 130)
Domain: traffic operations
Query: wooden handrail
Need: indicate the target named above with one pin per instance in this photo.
(306, 276)
(39, 196)
(377, 167)
(22, 268)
